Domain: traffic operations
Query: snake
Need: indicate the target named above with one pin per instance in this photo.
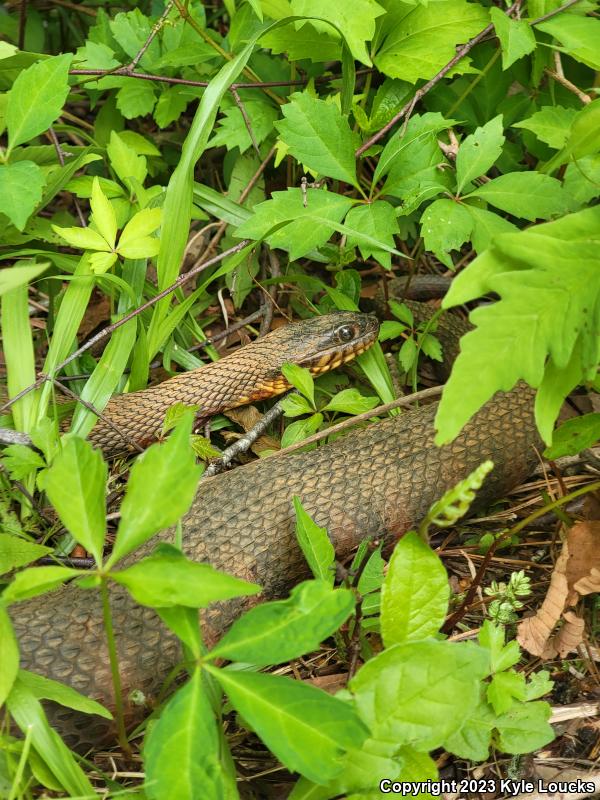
(376, 481)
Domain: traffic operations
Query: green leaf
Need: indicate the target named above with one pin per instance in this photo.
(378, 220)
(299, 430)
(17, 552)
(478, 152)
(583, 138)
(301, 379)
(136, 98)
(125, 161)
(36, 98)
(44, 688)
(516, 37)
(579, 36)
(408, 354)
(167, 578)
(36, 580)
(415, 592)
(135, 240)
(574, 435)
(21, 187)
(9, 655)
(504, 689)
(295, 404)
(172, 102)
(486, 226)
(28, 714)
(445, 225)
(417, 41)
(83, 239)
(161, 487)
(501, 656)
(300, 236)
(315, 544)
(355, 19)
(319, 137)
(538, 685)
(105, 220)
(548, 279)
(281, 630)
(528, 195)
(525, 728)
(232, 130)
(182, 750)
(551, 125)
(455, 503)
(76, 486)
(473, 740)
(419, 692)
(20, 274)
(390, 329)
(20, 461)
(318, 46)
(305, 728)
(351, 401)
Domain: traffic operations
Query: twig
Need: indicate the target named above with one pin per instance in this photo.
(8, 436)
(91, 12)
(155, 29)
(585, 98)
(22, 23)
(26, 494)
(245, 442)
(61, 160)
(42, 377)
(246, 118)
(461, 53)
(400, 402)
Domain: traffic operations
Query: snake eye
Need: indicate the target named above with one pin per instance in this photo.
(345, 333)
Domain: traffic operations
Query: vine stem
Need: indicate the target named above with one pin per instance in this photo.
(114, 666)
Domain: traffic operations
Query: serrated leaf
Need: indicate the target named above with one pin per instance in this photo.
(318, 136)
(282, 630)
(478, 152)
(299, 430)
(301, 379)
(486, 226)
(390, 329)
(307, 730)
(515, 35)
(76, 486)
(355, 19)
(317, 46)
(578, 35)
(83, 238)
(473, 740)
(528, 195)
(583, 138)
(171, 103)
(415, 592)
(301, 234)
(136, 99)
(445, 225)
(17, 552)
(538, 685)
(502, 656)
(407, 354)
(378, 220)
(232, 130)
(36, 98)
(125, 161)
(417, 40)
(167, 578)
(295, 404)
(135, 240)
(20, 461)
(550, 125)
(504, 689)
(524, 728)
(315, 544)
(182, 750)
(21, 187)
(548, 279)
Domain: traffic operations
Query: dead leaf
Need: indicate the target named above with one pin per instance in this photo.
(577, 571)
(247, 417)
(590, 583)
(570, 636)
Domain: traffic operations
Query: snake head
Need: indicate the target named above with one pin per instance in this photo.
(323, 343)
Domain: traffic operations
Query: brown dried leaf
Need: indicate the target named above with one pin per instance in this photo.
(247, 417)
(590, 583)
(533, 633)
(570, 636)
(583, 541)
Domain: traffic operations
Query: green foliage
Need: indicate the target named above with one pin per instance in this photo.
(495, 169)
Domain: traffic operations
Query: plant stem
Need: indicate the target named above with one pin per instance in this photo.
(114, 666)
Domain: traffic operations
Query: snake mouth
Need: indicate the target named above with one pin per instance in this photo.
(335, 356)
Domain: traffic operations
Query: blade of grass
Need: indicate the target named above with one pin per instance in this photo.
(19, 355)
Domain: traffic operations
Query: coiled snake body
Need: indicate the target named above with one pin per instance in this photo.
(376, 481)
